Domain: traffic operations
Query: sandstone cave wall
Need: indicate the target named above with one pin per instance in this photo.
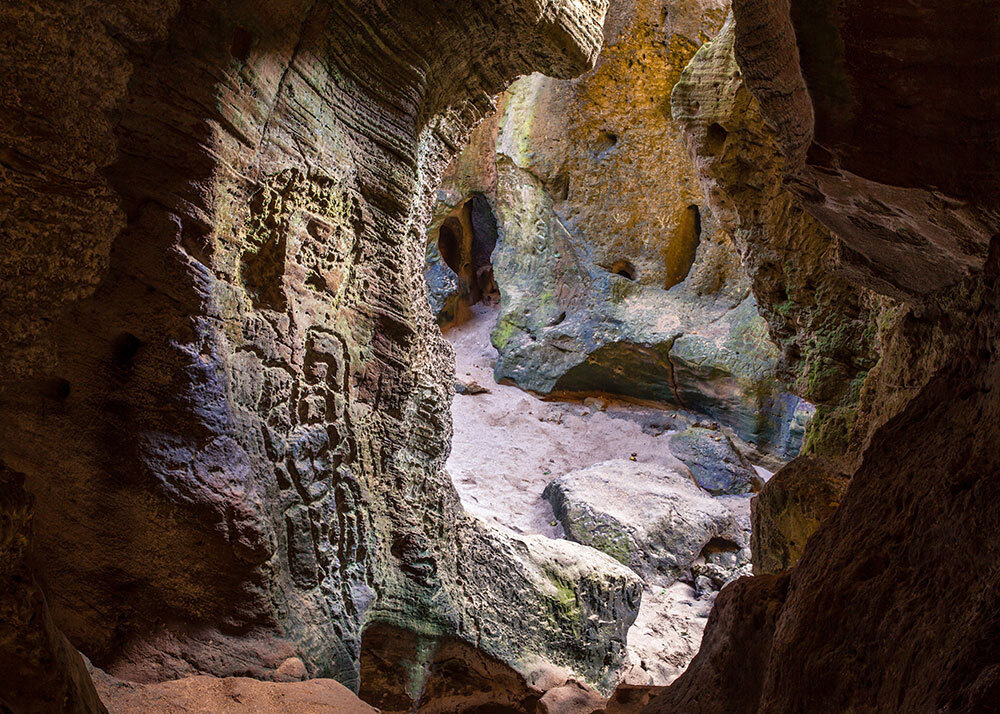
(220, 377)
(891, 606)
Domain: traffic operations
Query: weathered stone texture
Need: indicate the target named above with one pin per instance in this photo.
(893, 605)
(219, 371)
(40, 671)
(885, 113)
(202, 694)
(614, 275)
(654, 519)
(790, 508)
(824, 324)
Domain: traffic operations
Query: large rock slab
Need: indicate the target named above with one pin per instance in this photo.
(537, 599)
(716, 464)
(233, 695)
(654, 519)
(790, 508)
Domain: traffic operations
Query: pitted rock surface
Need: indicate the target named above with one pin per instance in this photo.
(216, 328)
(653, 519)
(614, 274)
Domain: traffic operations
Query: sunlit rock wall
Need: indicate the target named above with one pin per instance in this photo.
(615, 274)
(884, 119)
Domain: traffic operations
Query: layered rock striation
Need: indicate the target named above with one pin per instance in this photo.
(890, 606)
(220, 377)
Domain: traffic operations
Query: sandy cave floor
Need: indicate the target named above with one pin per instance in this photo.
(508, 445)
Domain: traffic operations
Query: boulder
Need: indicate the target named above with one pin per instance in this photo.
(790, 508)
(470, 388)
(717, 465)
(654, 519)
(530, 601)
(204, 694)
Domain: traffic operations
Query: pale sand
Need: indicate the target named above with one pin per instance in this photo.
(509, 444)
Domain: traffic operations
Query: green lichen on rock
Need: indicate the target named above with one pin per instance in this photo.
(654, 519)
(822, 322)
(605, 285)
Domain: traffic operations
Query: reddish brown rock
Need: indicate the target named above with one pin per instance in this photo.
(887, 114)
(730, 668)
(893, 604)
(40, 671)
(402, 672)
(217, 367)
(232, 695)
(790, 508)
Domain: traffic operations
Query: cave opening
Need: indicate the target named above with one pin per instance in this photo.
(683, 249)
(450, 244)
(465, 244)
(624, 268)
(579, 420)
(233, 478)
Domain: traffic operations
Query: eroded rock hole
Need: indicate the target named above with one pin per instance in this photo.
(56, 389)
(450, 244)
(683, 249)
(606, 141)
(124, 348)
(465, 245)
(484, 242)
(240, 46)
(715, 139)
(625, 269)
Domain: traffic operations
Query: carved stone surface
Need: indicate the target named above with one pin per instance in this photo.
(220, 375)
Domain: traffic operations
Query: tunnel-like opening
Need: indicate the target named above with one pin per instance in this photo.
(683, 248)
(715, 139)
(450, 244)
(484, 242)
(465, 244)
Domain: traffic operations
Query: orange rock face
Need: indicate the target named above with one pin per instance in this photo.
(233, 695)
